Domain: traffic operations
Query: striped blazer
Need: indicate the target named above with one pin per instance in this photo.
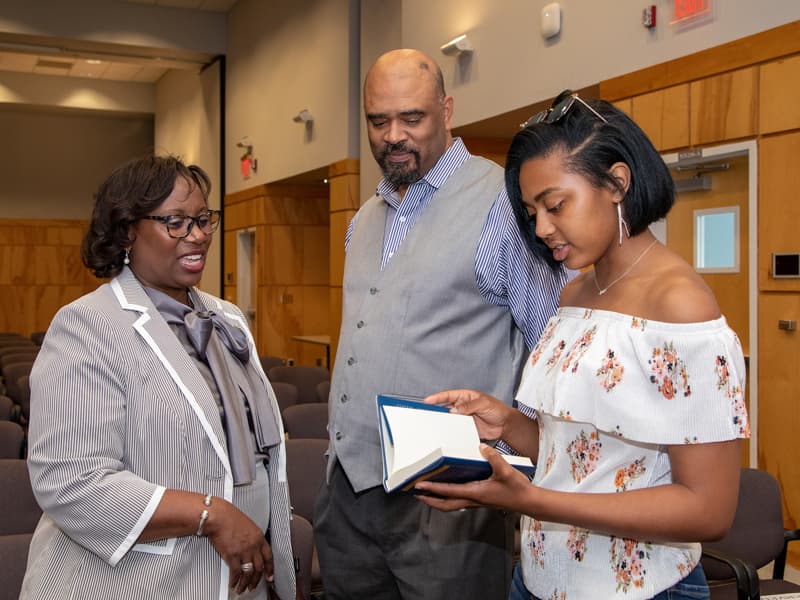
(119, 413)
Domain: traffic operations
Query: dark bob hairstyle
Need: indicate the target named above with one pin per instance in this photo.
(590, 147)
(131, 192)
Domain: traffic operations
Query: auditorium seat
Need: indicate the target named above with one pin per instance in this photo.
(20, 512)
(305, 471)
(18, 519)
(306, 420)
(267, 362)
(304, 378)
(11, 375)
(323, 390)
(12, 440)
(13, 560)
(285, 394)
(8, 409)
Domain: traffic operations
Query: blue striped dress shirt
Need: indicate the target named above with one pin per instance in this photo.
(505, 271)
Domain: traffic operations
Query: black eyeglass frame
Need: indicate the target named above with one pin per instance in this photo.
(210, 213)
(558, 111)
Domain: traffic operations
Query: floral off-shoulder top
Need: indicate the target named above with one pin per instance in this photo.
(611, 392)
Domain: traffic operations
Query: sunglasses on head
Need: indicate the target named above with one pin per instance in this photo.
(558, 111)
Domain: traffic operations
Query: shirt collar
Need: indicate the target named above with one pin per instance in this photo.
(455, 156)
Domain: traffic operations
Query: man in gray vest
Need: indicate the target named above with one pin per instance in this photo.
(440, 292)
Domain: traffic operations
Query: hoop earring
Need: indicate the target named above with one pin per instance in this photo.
(126, 260)
(623, 224)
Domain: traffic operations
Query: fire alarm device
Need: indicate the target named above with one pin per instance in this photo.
(649, 16)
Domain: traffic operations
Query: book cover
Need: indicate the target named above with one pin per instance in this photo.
(427, 442)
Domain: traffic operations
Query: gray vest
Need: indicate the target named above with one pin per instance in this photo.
(421, 325)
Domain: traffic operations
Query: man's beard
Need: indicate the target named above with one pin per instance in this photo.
(403, 173)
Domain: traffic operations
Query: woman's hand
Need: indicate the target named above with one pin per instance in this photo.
(240, 543)
(489, 413)
(505, 489)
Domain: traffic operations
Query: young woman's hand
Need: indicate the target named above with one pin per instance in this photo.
(489, 413)
(505, 489)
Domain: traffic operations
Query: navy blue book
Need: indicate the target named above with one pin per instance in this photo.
(427, 442)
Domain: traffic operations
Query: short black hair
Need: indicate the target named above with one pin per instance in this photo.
(590, 147)
(131, 192)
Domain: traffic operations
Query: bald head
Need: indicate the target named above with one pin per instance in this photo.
(407, 63)
(408, 115)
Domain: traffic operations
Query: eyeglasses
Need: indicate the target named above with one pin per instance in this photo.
(179, 226)
(558, 111)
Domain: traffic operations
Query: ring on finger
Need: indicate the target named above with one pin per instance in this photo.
(247, 567)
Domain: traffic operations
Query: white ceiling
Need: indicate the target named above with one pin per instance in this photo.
(74, 59)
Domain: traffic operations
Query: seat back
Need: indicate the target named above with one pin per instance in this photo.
(757, 531)
(12, 439)
(17, 347)
(285, 394)
(303, 547)
(11, 375)
(267, 362)
(306, 420)
(13, 560)
(304, 378)
(19, 356)
(305, 471)
(323, 390)
(24, 397)
(20, 512)
(7, 409)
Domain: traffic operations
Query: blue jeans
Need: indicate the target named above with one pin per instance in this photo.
(691, 587)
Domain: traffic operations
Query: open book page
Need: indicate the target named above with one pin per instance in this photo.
(416, 433)
(423, 441)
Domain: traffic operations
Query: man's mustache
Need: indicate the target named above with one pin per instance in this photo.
(398, 147)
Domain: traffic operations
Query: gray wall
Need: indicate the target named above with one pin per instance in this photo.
(52, 163)
(284, 57)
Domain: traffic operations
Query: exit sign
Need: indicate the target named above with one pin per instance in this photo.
(690, 9)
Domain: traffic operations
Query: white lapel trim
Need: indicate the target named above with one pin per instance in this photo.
(139, 327)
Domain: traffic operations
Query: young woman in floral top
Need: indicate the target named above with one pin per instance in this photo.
(632, 403)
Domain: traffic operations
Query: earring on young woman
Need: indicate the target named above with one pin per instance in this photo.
(623, 224)
(126, 260)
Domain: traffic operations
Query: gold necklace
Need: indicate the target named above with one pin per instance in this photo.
(601, 291)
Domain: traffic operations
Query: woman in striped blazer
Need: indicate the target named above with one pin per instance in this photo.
(158, 461)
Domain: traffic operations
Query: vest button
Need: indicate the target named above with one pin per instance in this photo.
(351, 361)
(344, 398)
(373, 290)
(339, 435)
(360, 324)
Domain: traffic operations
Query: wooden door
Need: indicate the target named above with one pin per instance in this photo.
(729, 188)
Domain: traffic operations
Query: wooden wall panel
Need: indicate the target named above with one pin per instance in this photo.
(729, 102)
(779, 411)
(664, 116)
(779, 95)
(229, 266)
(492, 148)
(344, 203)
(282, 258)
(40, 271)
(723, 107)
(291, 224)
(779, 211)
(626, 106)
(751, 50)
